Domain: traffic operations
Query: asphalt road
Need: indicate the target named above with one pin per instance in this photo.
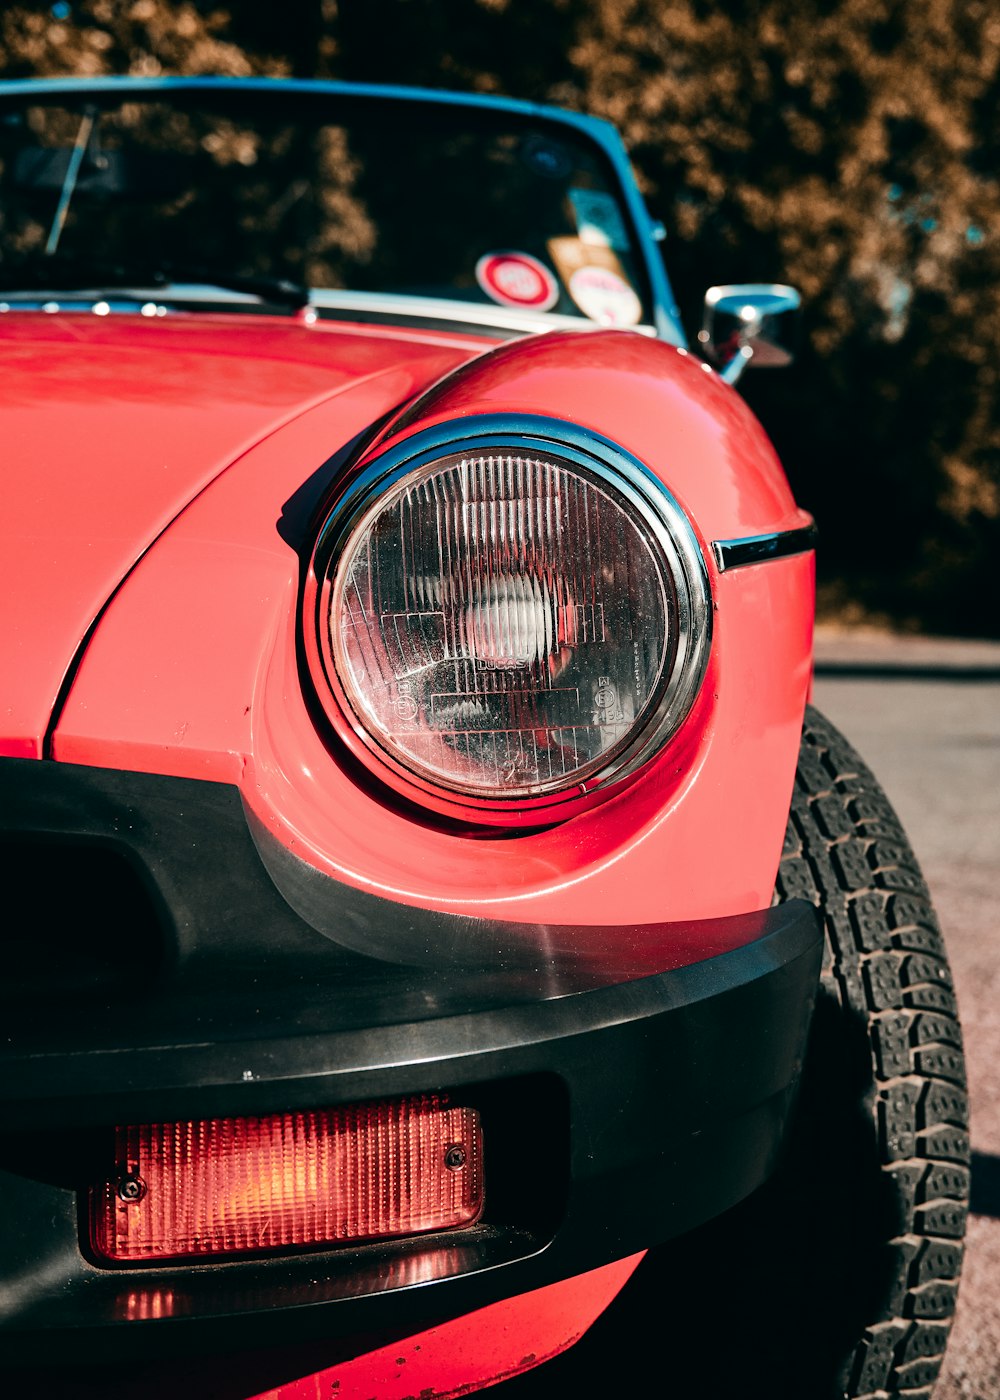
(926, 717)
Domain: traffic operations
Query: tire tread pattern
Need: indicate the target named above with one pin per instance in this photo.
(846, 852)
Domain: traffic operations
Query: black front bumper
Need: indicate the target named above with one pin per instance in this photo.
(624, 1098)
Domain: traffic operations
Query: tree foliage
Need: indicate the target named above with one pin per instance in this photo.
(849, 147)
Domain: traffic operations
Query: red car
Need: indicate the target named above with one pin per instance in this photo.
(406, 656)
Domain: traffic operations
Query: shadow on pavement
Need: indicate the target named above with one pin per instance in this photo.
(892, 671)
(984, 1198)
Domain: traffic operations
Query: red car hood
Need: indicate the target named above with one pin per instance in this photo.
(111, 426)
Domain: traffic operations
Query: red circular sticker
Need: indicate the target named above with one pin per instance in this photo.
(517, 279)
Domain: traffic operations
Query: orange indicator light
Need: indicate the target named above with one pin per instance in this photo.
(229, 1186)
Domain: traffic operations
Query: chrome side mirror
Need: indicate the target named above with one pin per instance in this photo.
(748, 321)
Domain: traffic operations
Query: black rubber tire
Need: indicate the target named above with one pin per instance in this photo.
(883, 1092)
(838, 1278)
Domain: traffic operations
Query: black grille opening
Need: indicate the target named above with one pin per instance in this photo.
(79, 919)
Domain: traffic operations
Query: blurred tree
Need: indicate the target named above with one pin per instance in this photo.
(151, 37)
(850, 147)
(90, 37)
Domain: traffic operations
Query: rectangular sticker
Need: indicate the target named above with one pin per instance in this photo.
(598, 219)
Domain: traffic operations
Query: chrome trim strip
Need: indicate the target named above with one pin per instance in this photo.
(758, 549)
(450, 309)
(472, 314)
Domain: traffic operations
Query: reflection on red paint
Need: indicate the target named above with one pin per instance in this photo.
(147, 1304)
(474, 1351)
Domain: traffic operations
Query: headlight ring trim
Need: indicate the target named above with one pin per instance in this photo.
(644, 500)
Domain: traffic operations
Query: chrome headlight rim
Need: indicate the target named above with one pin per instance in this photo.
(616, 471)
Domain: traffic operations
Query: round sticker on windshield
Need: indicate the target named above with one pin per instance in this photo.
(517, 279)
(604, 297)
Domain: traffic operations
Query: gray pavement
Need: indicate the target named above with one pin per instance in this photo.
(866, 651)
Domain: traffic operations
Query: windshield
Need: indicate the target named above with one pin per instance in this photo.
(351, 198)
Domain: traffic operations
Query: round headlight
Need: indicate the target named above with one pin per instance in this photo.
(509, 617)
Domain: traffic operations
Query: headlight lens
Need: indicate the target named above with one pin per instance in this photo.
(513, 620)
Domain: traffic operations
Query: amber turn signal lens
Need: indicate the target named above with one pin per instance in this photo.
(230, 1186)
